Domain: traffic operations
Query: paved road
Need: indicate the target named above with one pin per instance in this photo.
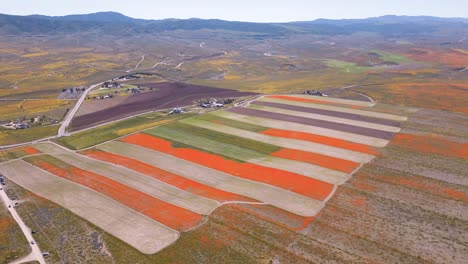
(71, 114)
(36, 253)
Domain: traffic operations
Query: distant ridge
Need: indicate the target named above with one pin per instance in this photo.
(113, 23)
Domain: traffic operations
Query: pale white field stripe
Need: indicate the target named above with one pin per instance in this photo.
(333, 100)
(133, 179)
(271, 123)
(327, 118)
(283, 142)
(273, 195)
(337, 108)
(139, 231)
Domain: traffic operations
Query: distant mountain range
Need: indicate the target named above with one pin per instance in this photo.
(112, 23)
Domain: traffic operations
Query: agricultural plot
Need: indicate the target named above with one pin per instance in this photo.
(132, 179)
(139, 231)
(176, 174)
(94, 136)
(166, 95)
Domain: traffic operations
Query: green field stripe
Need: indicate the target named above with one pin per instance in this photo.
(111, 131)
(183, 133)
(285, 142)
(218, 147)
(48, 159)
(225, 138)
(281, 198)
(229, 122)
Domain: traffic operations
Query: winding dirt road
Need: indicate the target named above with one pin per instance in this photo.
(137, 65)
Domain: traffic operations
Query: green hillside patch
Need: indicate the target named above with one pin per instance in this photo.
(240, 149)
(392, 57)
(345, 66)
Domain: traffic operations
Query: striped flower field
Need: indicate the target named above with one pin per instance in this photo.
(290, 152)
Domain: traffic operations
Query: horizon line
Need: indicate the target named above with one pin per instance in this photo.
(292, 21)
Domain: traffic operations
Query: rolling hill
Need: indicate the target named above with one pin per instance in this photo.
(112, 23)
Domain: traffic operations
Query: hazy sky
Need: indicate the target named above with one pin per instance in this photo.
(242, 10)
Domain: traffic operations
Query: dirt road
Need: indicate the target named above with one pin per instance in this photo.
(71, 114)
(36, 253)
(137, 65)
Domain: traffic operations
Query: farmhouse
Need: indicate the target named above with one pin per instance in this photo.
(110, 85)
(313, 92)
(15, 125)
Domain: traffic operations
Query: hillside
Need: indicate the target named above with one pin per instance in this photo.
(111, 23)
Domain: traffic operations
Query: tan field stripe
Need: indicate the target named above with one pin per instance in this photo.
(139, 231)
(332, 100)
(138, 181)
(275, 196)
(327, 118)
(271, 123)
(337, 108)
(283, 142)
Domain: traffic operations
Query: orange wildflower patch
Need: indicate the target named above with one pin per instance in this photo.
(334, 142)
(317, 159)
(168, 177)
(5, 223)
(424, 184)
(360, 202)
(306, 100)
(450, 57)
(30, 150)
(442, 96)
(168, 214)
(283, 179)
(432, 144)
